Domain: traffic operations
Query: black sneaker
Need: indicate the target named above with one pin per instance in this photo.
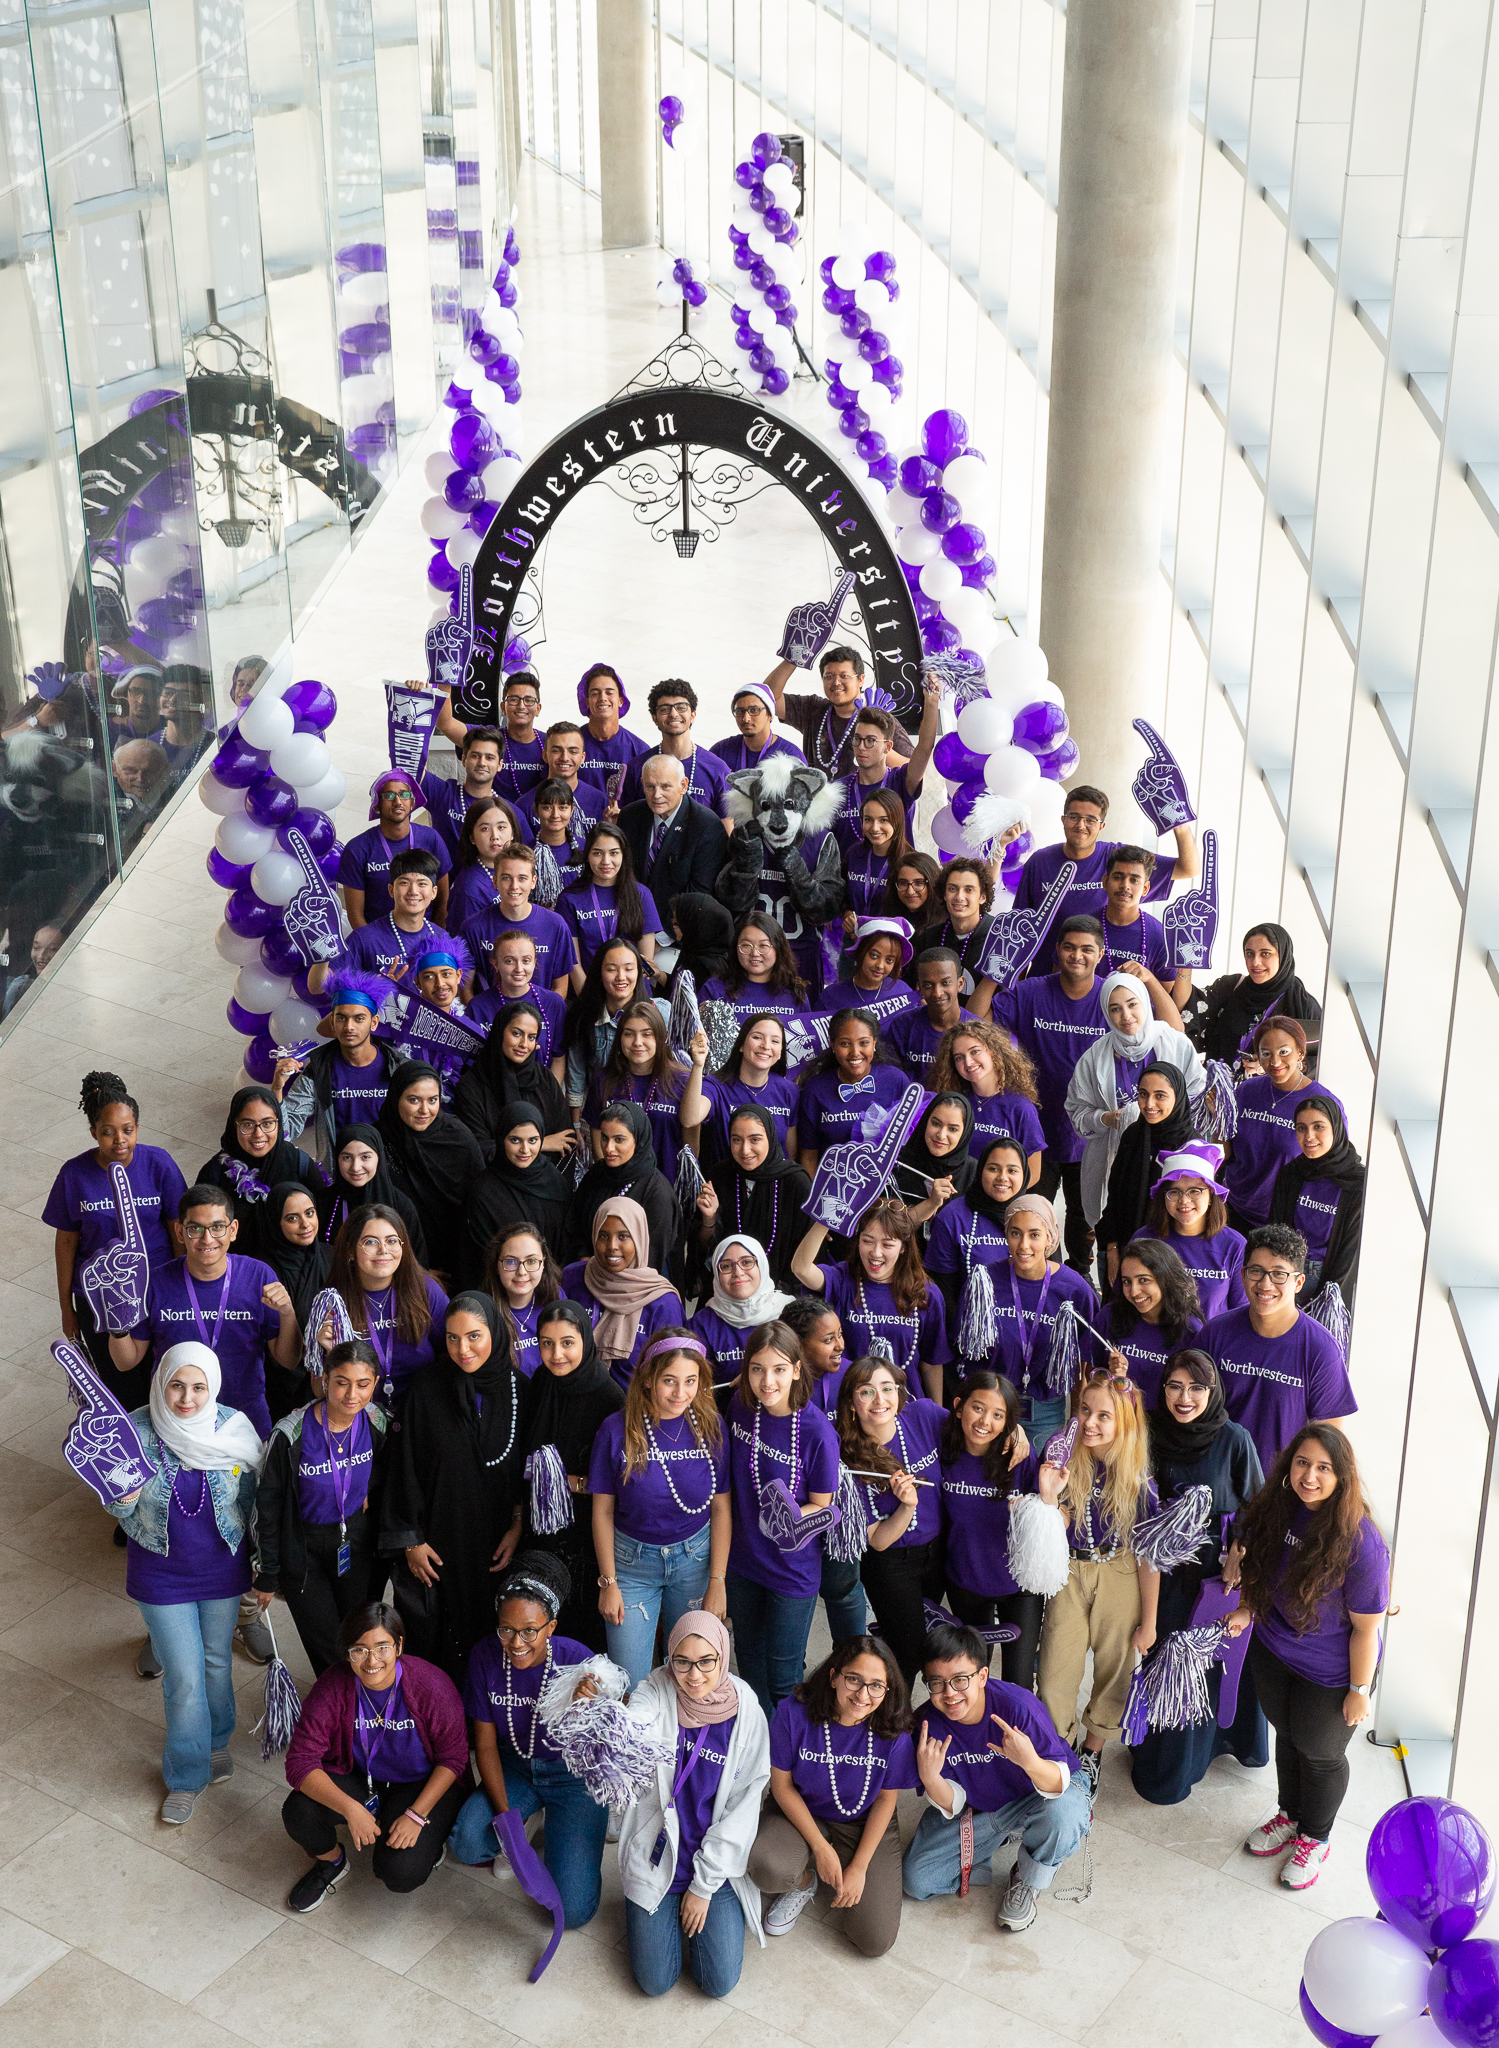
(308, 1893)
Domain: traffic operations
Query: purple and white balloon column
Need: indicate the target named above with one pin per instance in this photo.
(272, 772)
(675, 282)
(681, 110)
(366, 364)
(864, 372)
(764, 234)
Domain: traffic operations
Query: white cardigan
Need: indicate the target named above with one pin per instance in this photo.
(1093, 1089)
(724, 1852)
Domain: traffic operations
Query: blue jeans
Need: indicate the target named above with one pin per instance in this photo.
(1049, 1831)
(194, 1644)
(770, 1637)
(658, 1583)
(573, 1850)
(842, 1592)
(715, 1955)
(1043, 1418)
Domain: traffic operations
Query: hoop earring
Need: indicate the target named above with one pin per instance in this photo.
(1286, 1481)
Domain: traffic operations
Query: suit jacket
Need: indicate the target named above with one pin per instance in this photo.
(692, 852)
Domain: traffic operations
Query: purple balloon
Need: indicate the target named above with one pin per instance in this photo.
(918, 476)
(313, 701)
(472, 443)
(670, 107)
(483, 517)
(856, 323)
(777, 219)
(279, 955)
(880, 266)
(304, 994)
(148, 399)
(765, 149)
(980, 574)
(853, 421)
(1329, 2035)
(870, 447)
(260, 1057)
(884, 472)
(1021, 848)
(249, 1023)
(237, 763)
(938, 636)
(840, 397)
(316, 827)
(1464, 1994)
(164, 617)
(744, 258)
(442, 575)
(888, 372)
(746, 176)
(1040, 727)
(959, 763)
(696, 293)
(329, 861)
(759, 198)
(463, 491)
(227, 873)
(508, 292)
(1431, 1869)
(965, 797)
(1060, 762)
(517, 653)
(939, 511)
(963, 543)
(837, 300)
(485, 347)
(459, 399)
(944, 436)
(269, 800)
(776, 381)
(245, 914)
(761, 359)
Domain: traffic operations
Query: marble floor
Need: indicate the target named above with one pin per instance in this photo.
(115, 1929)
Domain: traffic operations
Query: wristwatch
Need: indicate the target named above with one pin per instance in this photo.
(1363, 1691)
(607, 1582)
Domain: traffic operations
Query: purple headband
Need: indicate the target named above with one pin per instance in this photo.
(673, 1344)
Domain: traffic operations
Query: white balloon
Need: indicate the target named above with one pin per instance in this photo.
(857, 374)
(219, 798)
(947, 832)
(463, 549)
(437, 469)
(840, 347)
(997, 768)
(275, 682)
(1046, 801)
(1421, 2032)
(265, 722)
(785, 262)
(761, 241)
(362, 396)
(781, 345)
(494, 318)
(876, 400)
(257, 991)
(1011, 771)
(501, 478)
(872, 298)
(761, 319)
(327, 795)
(237, 951)
(745, 217)
(292, 1019)
(940, 579)
(1364, 1976)
(779, 177)
(1017, 665)
(848, 271)
(303, 761)
(668, 292)
(915, 545)
(440, 520)
(967, 610)
(1047, 693)
(439, 613)
(465, 373)
(982, 634)
(240, 839)
(904, 509)
(370, 289)
(515, 432)
(971, 482)
(276, 877)
(489, 399)
(856, 239)
(515, 344)
(983, 726)
(158, 556)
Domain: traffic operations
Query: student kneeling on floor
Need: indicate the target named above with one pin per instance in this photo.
(994, 1767)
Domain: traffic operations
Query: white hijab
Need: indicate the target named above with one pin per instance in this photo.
(1094, 1087)
(201, 1442)
(1123, 1044)
(763, 1306)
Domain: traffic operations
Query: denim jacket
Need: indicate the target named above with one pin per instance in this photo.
(580, 1071)
(145, 1520)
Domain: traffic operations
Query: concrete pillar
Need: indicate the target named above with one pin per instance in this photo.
(1124, 126)
(627, 127)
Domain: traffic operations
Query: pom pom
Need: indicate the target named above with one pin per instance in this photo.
(978, 1325)
(848, 1540)
(1174, 1536)
(1215, 1114)
(689, 1181)
(1065, 1355)
(991, 815)
(1039, 1558)
(1173, 1684)
(551, 1496)
(1134, 1722)
(598, 1740)
(1331, 1311)
(548, 877)
(686, 1019)
(283, 1704)
(329, 1302)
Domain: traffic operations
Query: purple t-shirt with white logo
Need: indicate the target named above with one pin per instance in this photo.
(737, 756)
(588, 912)
(848, 827)
(237, 1339)
(866, 877)
(776, 899)
(867, 1310)
(495, 1691)
(896, 998)
(523, 769)
(1006, 1115)
(552, 938)
(725, 1344)
(602, 757)
(83, 1199)
(667, 1500)
(387, 1744)
(960, 1240)
(470, 891)
(840, 1772)
(487, 1005)
(976, 1518)
(1316, 1207)
(1264, 1141)
(1321, 1653)
(833, 1110)
(1146, 1348)
(1275, 1385)
(990, 1783)
(918, 1433)
(1144, 940)
(400, 1362)
(801, 1450)
(1053, 1030)
(333, 1469)
(778, 1096)
(707, 779)
(916, 1038)
(358, 1092)
(365, 863)
(199, 1565)
(1215, 1263)
(1034, 1327)
(1087, 895)
(823, 1391)
(699, 1790)
(379, 946)
(751, 1000)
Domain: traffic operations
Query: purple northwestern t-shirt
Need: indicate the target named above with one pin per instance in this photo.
(1264, 1141)
(237, 1338)
(823, 1392)
(801, 1450)
(387, 1744)
(1274, 1385)
(848, 827)
(960, 1240)
(1034, 1327)
(736, 755)
(333, 1469)
(1316, 1207)
(358, 1092)
(447, 807)
(1321, 1654)
(867, 1310)
(707, 778)
(751, 1000)
(990, 1783)
(667, 1500)
(725, 1344)
(1053, 1030)
(399, 1361)
(523, 769)
(699, 1789)
(486, 1007)
(840, 1772)
(552, 938)
(665, 1312)
(1086, 895)
(378, 947)
(1144, 940)
(83, 1199)
(365, 863)
(525, 1348)
(916, 1038)
(588, 912)
(778, 1096)
(1215, 1263)
(470, 891)
(896, 999)
(976, 1519)
(662, 1103)
(602, 757)
(866, 877)
(495, 1691)
(199, 1565)
(833, 1110)
(918, 1433)
(1145, 1347)
(1006, 1116)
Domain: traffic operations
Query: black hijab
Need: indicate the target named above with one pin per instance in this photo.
(640, 1178)
(301, 1268)
(977, 1197)
(1183, 1443)
(339, 1200)
(491, 1081)
(1236, 1004)
(250, 1180)
(763, 1202)
(1135, 1170)
(505, 1194)
(569, 1410)
(707, 935)
(1343, 1167)
(917, 1166)
(436, 1167)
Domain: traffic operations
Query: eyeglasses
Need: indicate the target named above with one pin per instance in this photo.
(533, 1265)
(197, 1230)
(519, 1635)
(1183, 1389)
(871, 1688)
(728, 1267)
(374, 1653)
(246, 1124)
(958, 1683)
(519, 703)
(379, 1244)
(705, 1666)
(1100, 1376)
(1280, 1275)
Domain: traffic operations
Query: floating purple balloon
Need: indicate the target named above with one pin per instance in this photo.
(248, 1023)
(1060, 762)
(874, 346)
(940, 510)
(963, 543)
(746, 177)
(279, 955)
(485, 347)
(959, 763)
(1040, 727)
(918, 476)
(316, 827)
(1020, 849)
(765, 149)
(245, 914)
(880, 266)
(669, 107)
(270, 801)
(227, 873)
(856, 323)
(472, 443)
(1431, 1870)
(837, 300)
(459, 399)
(1329, 2035)
(965, 797)
(313, 701)
(777, 219)
(696, 293)
(944, 436)
(260, 1058)
(237, 764)
(1464, 1994)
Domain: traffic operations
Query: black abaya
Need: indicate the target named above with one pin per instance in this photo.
(568, 1412)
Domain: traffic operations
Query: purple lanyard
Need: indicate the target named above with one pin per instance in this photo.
(218, 1314)
(395, 1698)
(383, 1351)
(1028, 1334)
(340, 1485)
(605, 932)
(658, 1849)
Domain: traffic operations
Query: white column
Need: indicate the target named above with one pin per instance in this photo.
(1124, 116)
(627, 133)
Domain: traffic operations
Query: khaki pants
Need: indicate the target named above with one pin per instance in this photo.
(1097, 1609)
(781, 1861)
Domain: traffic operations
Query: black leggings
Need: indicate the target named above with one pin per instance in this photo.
(1077, 1232)
(898, 1581)
(1017, 1660)
(326, 1598)
(315, 1828)
(1311, 1741)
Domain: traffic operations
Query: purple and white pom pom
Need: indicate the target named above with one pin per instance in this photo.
(1174, 1536)
(551, 1496)
(847, 1541)
(598, 1740)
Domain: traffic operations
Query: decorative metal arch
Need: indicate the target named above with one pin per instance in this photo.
(653, 436)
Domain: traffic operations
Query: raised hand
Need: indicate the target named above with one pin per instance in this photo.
(1191, 919)
(851, 1176)
(809, 627)
(114, 1281)
(102, 1446)
(1017, 933)
(1014, 1745)
(1160, 788)
(315, 921)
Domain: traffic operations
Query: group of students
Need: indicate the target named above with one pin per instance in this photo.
(506, 1377)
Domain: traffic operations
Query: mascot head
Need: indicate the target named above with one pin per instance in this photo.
(787, 799)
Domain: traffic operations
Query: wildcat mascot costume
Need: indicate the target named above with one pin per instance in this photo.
(783, 858)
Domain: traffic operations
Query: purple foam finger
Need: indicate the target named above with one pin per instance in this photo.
(535, 1880)
(315, 921)
(102, 1446)
(784, 1524)
(809, 627)
(1016, 934)
(1191, 919)
(1059, 1451)
(114, 1281)
(1160, 788)
(851, 1177)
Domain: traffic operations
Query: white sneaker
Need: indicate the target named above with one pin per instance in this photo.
(1017, 1909)
(788, 1909)
(616, 1815)
(1278, 1833)
(1304, 1864)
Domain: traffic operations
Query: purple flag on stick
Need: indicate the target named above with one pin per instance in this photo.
(315, 921)
(853, 1175)
(113, 1282)
(410, 716)
(807, 1036)
(1191, 919)
(102, 1447)
(1017, 933)
(419, 1028)
(1160, 788)
(535, 1880)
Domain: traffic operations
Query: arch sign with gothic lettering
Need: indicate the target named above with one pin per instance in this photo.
(671, 416)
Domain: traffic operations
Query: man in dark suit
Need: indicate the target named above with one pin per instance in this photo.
(677, 844)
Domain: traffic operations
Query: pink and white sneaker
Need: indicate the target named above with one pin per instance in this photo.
(1278, 1833)
(1304, 1864)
